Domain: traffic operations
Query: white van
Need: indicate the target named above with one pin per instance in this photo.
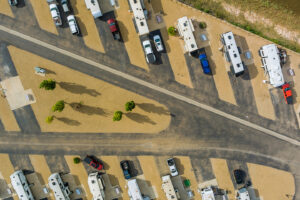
(73, 25)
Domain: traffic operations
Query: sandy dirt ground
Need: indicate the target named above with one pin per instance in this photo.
(87, 26)
(81, 175)
(113, 169)
(6, 169)
(131, 39)
(95, 115)
(43, 16)
(7, 117)
(185, 169)
(152, 175)
(271, 183)
(5, 9)
(222, 175)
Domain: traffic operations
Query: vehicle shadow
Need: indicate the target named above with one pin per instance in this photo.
(21, 3)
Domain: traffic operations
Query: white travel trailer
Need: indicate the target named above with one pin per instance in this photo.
(134, 190)
(270, 58)
(20, 185)
(61, 192)
(207, 194)
(185, 29)
(168, 188)
(139, 16)
(232, 53)
(94, 7)
(243, 194)
(96, 185)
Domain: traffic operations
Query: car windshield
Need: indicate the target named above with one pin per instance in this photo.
(112, 24)
(170, 162)
(157, 40)
(147, 45)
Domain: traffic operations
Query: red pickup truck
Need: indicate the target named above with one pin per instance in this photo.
(91, 161)
(287, 93)
(114, 28)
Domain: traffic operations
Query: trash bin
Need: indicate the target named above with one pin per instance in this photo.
(187, 183)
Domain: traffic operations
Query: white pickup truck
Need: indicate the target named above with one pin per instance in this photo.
(55, 14)
(93, 5)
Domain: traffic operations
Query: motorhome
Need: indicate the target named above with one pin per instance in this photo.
(60, 190)
(96, 185)
(168, 188)
(207, 194)
(20, 185)
(232, 53)
(243, 194)
(139, 16)
(185, 29)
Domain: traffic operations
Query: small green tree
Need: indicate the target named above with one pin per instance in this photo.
(202, 25)
(76, 160)
(59, 106)
(117, 116)
(48, 84)
(172, 30)
(49, 119)
(129, 106)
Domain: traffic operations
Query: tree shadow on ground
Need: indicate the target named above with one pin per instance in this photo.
(78, 89)
(89, 110)
(151, 108)
(68, 121)
(48, 71)
(140, 118)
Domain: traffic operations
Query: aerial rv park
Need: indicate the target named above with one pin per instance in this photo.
(104, 54)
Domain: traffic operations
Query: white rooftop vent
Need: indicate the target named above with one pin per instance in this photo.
(271, 63)
(232, 52)
(186, 28)
(139, 17)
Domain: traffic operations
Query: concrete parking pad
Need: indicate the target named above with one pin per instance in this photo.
(152, 175)
(130, 37)
(43, 16)
(15, 94)
(271, 183)
(5, 9)
(7, 117)
(113, 169)
(80, 173)
(87, 26)
(99, 98)
(186, 170)
(222, 175)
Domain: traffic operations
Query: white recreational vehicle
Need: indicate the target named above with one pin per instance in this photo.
(60, 190)
(94, 7)
(139, 16)
(96, 185)
(207, 194)
(232, 53)
(270, 58)
(185, 29)
(20, 185)
(168, 188)
(242, 194)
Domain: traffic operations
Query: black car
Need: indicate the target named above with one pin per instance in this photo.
(239, 176)
(126, 168)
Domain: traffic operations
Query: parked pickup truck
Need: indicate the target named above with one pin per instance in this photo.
(204, 62)
(55, 14)
(114, 28)
(287, 93)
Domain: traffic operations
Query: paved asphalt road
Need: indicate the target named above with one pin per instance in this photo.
(196, 129)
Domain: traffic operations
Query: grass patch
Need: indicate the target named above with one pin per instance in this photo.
(216, 9)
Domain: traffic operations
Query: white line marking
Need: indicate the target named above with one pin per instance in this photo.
(151, 86)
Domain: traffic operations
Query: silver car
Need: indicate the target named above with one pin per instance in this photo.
(158, 44)
(172, 167)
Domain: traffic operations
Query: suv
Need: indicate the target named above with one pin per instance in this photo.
(126, 169)
(158, 44)
(204, 63)
(73, 25)
(150, 57)
(91, 161)
(172, 167)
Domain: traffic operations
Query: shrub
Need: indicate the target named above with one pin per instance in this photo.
(48, 84)
(59, 106)
(129, 106)
(202, 25)
(49, 119)
(76, 160)
(172, 30)
(117, 116)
